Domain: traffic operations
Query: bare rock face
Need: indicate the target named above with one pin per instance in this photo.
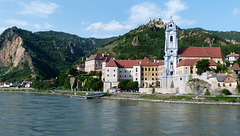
(209, 41)
(14, 53)
(157, 22)
(135, 41)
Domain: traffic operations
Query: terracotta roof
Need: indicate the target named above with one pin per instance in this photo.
(235, 67)
(131, 63)
(232, 54)
(192, 62)
(111, 63)
(213, 52)
(100, 57)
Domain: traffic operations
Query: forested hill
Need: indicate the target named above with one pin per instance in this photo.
(25, 55)
(149, 41)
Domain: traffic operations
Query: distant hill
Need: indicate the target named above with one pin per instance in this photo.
(43, 55)
(149, 41)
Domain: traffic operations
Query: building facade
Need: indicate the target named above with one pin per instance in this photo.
(232, 57)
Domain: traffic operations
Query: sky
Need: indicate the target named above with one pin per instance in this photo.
(106, 18)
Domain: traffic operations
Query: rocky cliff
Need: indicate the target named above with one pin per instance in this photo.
(25, 55)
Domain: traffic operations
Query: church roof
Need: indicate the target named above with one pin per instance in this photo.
(192, 62)
(212, 52)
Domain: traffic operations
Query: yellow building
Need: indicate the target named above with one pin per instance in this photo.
(188, 66)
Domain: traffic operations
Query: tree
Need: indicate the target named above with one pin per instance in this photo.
(73, 71)
(123, 84)
(227, 63)
(202, 66)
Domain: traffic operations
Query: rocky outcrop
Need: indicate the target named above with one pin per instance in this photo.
(13, 53)
(157, 22)
(135, 41)
(198, 87)
(209, 41)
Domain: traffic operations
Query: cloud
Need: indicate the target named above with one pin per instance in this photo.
(236, 11)
(45, 26)
(140, 14)
(39, 8)
(111, 26)
(17, 22)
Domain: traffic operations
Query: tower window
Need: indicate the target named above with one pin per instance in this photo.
(171, 38)
(170, 25)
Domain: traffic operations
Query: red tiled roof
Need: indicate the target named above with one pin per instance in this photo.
(192, 62)
(213, 52)
(111, 63)
(131, 63)
(232, 54)
(235, 67)
(100, 57)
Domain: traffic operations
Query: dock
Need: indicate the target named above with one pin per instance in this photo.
(89, 96)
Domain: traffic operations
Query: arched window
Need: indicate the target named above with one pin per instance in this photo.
(171, 38)
(170, 25)
(171, 65)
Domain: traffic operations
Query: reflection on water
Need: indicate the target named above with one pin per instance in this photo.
(37, 114)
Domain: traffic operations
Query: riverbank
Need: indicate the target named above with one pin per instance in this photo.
(161, 98)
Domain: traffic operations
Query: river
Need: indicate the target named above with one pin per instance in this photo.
(40, 114)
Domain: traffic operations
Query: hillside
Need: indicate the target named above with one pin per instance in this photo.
(149, 40)
(43, 55)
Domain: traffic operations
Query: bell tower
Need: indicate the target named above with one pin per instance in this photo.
(171, 49)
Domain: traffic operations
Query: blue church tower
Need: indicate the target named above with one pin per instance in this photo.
(171, 49)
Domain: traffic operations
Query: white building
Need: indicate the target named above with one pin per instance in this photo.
(232, 57)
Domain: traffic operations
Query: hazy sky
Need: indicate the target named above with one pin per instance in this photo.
(105, 18)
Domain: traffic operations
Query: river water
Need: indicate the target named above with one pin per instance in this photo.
(39, 114)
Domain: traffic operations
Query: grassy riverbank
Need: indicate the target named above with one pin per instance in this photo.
(169, 98)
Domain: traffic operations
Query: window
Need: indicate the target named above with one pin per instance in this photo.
(125, 76)
(145, 78)
(156, 69)
(148, 69)
(107, 75)
(142, 69)
(171, 65)
(171, 38)
(152, 69)
(136, 70)
(114, 75)
(230, 84)
(125, 71)
(142, 78)
(152, 74)
(145, 69)
(223, 84)
(136, 79)
(180, 78)
(108, 70)
(152, 78)
(136, 74)
(114, 70)
(170, 25)
(142, 74)
(120, 76)
(129, 75)
(156, 74)
(219, 85)
(120, 71)
(145, 74)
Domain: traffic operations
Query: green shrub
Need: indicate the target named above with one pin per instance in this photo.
(207, 92)
(226, 92)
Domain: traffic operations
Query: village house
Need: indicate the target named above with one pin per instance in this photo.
(235, 68)
(232, 57)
